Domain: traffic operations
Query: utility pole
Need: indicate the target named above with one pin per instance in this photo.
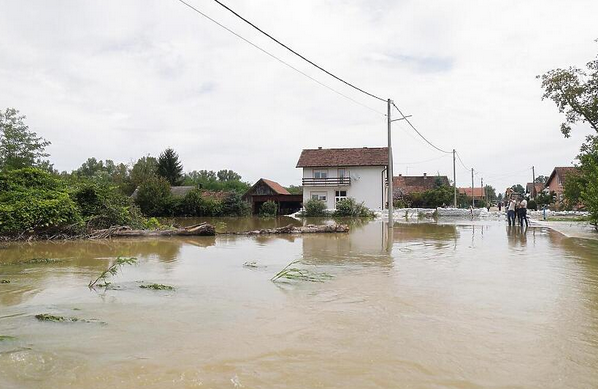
(454, 182)
(483, 190)
(533, 182)
(389, 170)
(472, 194)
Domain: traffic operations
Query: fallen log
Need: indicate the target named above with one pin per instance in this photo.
(203, 229)
(290, 229)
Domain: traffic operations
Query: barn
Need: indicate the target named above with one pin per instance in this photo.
(264, 190)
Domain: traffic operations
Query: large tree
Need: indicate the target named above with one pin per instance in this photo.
(20, 147)
(144, 169)
(170, 167)
(575, 92)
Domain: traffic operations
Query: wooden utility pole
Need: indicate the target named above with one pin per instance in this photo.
(533, 182)
(454, 182)
(472, 194)
(389, 170)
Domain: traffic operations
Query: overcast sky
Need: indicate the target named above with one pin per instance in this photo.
(122, 79)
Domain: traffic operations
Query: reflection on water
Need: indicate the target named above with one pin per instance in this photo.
(464, 305)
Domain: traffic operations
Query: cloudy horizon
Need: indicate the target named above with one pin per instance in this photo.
(120, 80)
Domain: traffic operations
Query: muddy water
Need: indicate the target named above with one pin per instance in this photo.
(431, 306)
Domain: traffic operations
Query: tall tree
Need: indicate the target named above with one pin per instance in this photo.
(170, 167)
(144, 169)
(541, 179)
(20, 147)
(228, 175)
(575, 93)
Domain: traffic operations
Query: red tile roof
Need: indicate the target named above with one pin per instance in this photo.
(404, 185)
(365, 156)
(477, 192)
(562, 172)
(276, 187)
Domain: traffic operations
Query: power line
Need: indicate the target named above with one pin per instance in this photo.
(419, 133)
(461, 161)
(296, 53)
(415, 163)
(280, 60)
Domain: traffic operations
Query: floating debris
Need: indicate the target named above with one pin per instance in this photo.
(111, 271)
(4, 338)
(250, 264)
(295, 273)
(4, 281)
(291, 229)
(41, 261)
(157, 287)
(63, 319)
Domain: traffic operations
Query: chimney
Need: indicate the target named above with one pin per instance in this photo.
(319, 147)
(425, 175)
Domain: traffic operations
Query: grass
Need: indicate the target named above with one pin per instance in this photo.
(4, 338)
(63, 319)
(41, 261)
(294, 273)
(111, 271)
(157, 287)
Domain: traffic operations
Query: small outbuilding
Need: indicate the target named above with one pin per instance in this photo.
(267, 190)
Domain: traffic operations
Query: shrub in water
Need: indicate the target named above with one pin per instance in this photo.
(153, 197)
(315, 208)
(269, 209)
(349, 207)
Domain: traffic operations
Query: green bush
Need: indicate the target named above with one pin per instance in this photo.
(33, 200)
(269, 209)
(103, 206)
(154, 198)
(349, 207)
(315, 208)
(532, 205)
(234, 205)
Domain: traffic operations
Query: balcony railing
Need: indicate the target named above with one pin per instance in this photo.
(332, 181)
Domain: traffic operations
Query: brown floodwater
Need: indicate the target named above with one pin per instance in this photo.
(462, 305)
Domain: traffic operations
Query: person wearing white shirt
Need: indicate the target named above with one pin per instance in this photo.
(523, 212)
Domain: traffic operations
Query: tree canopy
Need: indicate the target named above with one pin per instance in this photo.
(20, 147)
(170, 167)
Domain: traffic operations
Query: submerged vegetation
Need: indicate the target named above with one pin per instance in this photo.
(350, 208)
(46, 317)
(4, 338)
(157, 287)
(41, 261)
(3, 281)
(111, 271)
(290, 272)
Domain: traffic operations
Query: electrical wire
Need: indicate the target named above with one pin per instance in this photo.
(419, 133)
(296, 53)
(461, 161)
(416, 163)
(282, 61)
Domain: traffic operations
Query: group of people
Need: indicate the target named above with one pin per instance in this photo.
(516, 209)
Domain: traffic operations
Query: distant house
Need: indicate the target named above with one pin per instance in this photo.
(331, 175)
(267, 190)
(477, 193)
(557, 179)
(533, 189)
(405, 185)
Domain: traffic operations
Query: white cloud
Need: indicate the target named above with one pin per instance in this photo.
(119, 80)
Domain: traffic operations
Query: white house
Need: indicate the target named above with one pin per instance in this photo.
(334, 174)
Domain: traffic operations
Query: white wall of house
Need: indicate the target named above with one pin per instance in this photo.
(367, 185)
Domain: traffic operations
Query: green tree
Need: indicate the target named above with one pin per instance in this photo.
(490, 192)
(541, 179)
(269, 209)
(228, 175)
(518, 188)
(170, 167)
(575, 93)
(154, 197)
(144, 169)
(20, 147)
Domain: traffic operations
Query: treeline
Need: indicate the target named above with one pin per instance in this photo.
(35, 198)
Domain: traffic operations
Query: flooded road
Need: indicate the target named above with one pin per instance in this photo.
(466, 305)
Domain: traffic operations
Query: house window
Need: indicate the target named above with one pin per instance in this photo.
(342, 173)
(318, 196)
(320, 173)
(340, 195)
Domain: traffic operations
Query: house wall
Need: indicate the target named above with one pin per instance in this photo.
(555, 185)
(367, 185)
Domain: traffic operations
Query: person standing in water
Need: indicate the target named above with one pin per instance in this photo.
(511, 212)
(523, 212)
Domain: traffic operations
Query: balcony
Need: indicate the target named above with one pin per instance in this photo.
(331, 181)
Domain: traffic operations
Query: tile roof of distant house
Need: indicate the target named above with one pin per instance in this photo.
(560, 171)
(275, 186)
(477, 192)
(181, 191)
(416, 184)
(365, 156)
